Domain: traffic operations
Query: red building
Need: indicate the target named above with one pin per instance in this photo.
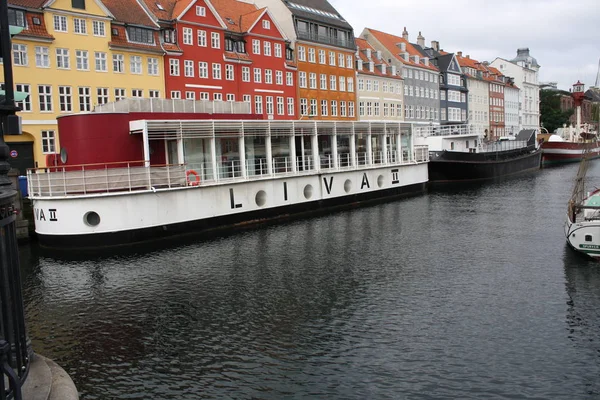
(226, 50)
(496, 85)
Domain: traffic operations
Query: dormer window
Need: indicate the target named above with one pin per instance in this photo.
(140, 35)
(383, 69)
(289, 54)
(368, 53)
(378, 54)
(80, 4)
(160, 7)
(371, 66)
(359, 64)
(229, 44)
(201, 11)
(16, 17)
(169, 36)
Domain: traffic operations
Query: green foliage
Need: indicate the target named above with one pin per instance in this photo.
(551, 114)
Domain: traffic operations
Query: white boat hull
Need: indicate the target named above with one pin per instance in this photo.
(125, 217)
(584, 237)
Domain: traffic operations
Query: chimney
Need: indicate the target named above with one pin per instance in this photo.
(405, 34)
(459, 53)
(468, 57)
(421, 40)
(435, 45)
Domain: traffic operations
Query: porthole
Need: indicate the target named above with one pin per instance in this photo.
(588, 238)
(261, 198)
(308, 192)
(380, 180)
(91, 218)
(348, 186)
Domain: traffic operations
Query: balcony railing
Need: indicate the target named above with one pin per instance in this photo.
(138, 104)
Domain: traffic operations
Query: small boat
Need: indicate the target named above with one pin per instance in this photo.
(582, 227)
(567, 146)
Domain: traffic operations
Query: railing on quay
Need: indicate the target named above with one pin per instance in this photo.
(90, 179)
(14, 350)
(504, 145)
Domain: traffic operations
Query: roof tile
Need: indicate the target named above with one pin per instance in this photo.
(390, 42)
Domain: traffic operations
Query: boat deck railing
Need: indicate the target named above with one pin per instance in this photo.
(93, 179)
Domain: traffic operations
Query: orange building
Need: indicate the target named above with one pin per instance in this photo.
(324, 46)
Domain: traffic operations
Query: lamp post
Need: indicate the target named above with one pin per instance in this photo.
(15, 354)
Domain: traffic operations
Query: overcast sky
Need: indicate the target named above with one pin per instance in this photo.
(563, 35)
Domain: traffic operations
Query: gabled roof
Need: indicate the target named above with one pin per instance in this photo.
(317, 10)
(238, 16)
(129, 12)
(390, 42)
(363, 45)
(165, 11)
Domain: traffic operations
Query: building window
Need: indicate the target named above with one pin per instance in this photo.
(175, 94)
(312, 80)
(215, 40)
(16, 17)
(102, 95)
(42, 57)
(255, 46)
(332, 58)
(246, 98)
(313, 107)
(173, 67)
(82, 61)
(80, 26)
(289, 54)
(218, 96)
(258, 108)
(204, 96)
(202, 69)
(369, 108)
(269, 105)
(48, 142)
(340, 60)
(85, 101)
(140, 35)
(349, 62)
(303, 107)
(267, 48)
(266, 24)
(98, 28)
(100, 61)
(290, 106)
(65, 101)
(342, 83)
(216, 71)
(152, 66)
(257, 75)
(324, 108)
(119, 94)
(78, 4)
(189, 95)
(188, 68)
(332, 82)
(118, 63)
(334, 109)
(245, 74)
(280, 110)
(301, 53)
(153, 94)
(342, 108)
(323, 81)
(311, 55)
(278, 77)
(302, 79)
(278, 50)
(45, 97)
(201, 38)
(229, 72)
(201, 11)
(19, 54)
(230, 97)
(187, 36)
(62, 58)
(24, 105)
(322, 57)
(289, 79)
(351, 109)
(351, 84)
(60, 23)
(268, 76)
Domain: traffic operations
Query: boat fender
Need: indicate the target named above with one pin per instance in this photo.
(194, 182)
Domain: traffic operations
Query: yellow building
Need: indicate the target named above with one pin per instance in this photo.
(73, 55)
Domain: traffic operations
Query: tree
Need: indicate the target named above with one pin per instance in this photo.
(551, 114)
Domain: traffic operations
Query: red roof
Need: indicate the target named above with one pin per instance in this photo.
(166, 10)
(363, 45)
(129, 12)
(390, 42)
(33, 30)
(27, 3)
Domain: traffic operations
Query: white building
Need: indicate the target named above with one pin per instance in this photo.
(479, 93)
(511, 108)
(380, 88)
(524, 69)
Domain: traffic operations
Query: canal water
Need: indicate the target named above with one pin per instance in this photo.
(463, 293)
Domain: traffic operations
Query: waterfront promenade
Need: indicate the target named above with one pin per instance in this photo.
(463, 293)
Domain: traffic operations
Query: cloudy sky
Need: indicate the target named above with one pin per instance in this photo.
(563, 35)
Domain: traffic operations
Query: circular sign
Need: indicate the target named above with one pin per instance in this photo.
(13, 153)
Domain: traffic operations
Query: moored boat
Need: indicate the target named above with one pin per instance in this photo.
(461, 154)
(199, 175)
(582, 226)
(567, 146)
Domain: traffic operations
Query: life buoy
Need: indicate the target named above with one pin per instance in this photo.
(196, 181)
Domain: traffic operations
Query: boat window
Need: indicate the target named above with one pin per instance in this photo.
(588, 238)
(451, 145)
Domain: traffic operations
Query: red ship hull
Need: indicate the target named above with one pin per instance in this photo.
(564, 152)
